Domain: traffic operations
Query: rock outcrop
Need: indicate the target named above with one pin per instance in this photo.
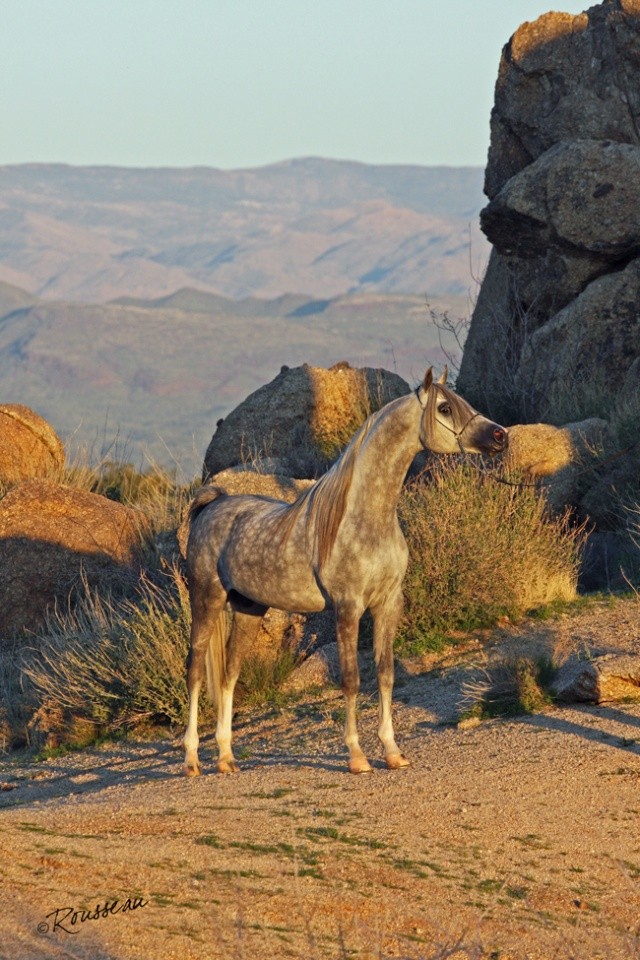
(555, 335)
(321, 669)
(53, 540)
(303, 418)
(29, 446)
(563, 177)
(604, 679)
(565, 77)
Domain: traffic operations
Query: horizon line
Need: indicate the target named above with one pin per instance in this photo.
(305, 159)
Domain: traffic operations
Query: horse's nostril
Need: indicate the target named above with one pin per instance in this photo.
(499, 435)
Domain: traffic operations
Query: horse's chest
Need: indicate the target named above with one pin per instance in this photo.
(366, 563)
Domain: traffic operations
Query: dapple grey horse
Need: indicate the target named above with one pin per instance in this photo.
(338, 545)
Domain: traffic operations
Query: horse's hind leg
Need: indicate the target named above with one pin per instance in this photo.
(347, 621)
(207, 608)
(243, 634)
(386, 618)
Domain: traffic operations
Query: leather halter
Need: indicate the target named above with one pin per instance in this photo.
(457, 433)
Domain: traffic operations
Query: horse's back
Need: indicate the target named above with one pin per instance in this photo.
(244, 541)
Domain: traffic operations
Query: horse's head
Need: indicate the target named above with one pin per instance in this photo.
(450, 425)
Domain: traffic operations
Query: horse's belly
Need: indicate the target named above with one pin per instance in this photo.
(286, 587)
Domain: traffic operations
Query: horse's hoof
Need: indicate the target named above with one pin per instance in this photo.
(192, 770)
(396, 761)
(228, 766)
(360, 765)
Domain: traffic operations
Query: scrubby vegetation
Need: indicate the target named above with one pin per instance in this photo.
(479, 550)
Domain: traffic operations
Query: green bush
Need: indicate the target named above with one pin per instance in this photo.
(479, 550)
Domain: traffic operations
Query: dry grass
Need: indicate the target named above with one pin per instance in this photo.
(107, 665)
(156, 491)
(479, 550)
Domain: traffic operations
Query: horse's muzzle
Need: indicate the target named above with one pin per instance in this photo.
(499, 439)
(493, 439)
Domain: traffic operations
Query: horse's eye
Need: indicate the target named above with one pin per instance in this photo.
(444, 409)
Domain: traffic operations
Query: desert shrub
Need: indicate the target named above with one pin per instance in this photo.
(511, 688)
(108, 665)
(479, 550)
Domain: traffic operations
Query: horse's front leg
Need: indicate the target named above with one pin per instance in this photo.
(347, 621)
(386, 617)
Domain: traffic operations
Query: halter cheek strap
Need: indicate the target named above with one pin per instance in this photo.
(457, 433)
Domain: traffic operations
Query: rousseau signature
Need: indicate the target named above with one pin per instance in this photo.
(66, 918)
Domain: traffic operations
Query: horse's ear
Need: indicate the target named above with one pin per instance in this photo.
(428, 379)
(445, 374)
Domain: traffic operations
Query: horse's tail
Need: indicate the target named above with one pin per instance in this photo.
(216, 657)
(203, 498)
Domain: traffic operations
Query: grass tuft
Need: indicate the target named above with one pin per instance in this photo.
(511, 688)
(109, 665)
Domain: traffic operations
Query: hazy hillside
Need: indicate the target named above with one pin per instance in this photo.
(316, 227)
(160, 373)
(160, 298)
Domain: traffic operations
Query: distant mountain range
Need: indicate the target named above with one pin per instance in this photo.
(317, 227)
(158, 374)
(149, 303)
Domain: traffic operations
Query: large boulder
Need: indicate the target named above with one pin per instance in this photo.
(563, 220)
(53, 541)
(594, 340)
(558, 457)
(565, 77)
(29, 446)
(604, 679)
(581, 197)
(303, 418)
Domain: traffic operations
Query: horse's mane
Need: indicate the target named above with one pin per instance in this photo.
(461, 411)
(322, 506)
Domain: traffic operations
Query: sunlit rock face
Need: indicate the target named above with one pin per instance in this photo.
(559, 305)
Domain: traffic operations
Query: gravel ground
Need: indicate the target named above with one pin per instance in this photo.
(510, 840)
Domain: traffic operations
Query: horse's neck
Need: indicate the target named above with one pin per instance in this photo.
(387, 454)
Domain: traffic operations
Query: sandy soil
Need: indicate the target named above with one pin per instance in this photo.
(509, 840)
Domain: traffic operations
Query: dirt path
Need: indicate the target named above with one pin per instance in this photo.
(516, 839)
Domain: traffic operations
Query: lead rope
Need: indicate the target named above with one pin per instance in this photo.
(543, 481)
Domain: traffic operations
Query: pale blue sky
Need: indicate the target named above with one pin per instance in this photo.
(240, 83)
